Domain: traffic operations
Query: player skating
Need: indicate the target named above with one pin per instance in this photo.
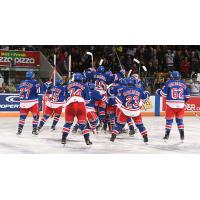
(29, 90)
(92, 117)
(100, 80)
(77, 95)
(128, 107)
(54, 103)
(113, 91)
(177, 94)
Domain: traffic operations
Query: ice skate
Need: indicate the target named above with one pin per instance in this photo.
(88, 142)
(39, 128)
(53, 127)
(64, 140)
(132, 132)
(113, 137)
(166, 137)
(19, 132)
(145, 139)
(182, 135)
(35, 131)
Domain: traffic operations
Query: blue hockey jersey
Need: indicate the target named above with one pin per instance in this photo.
(113, 91)
(29, 90)
(100, 82)
(95, 96)
(139, 84)
(176, 93)
(56, 96)
(77, 92)
(129, 100)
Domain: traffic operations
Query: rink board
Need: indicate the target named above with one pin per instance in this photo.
(155, 106)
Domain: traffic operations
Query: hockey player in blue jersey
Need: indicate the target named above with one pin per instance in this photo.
(88, 74)
(115, 90)
(128, 106)
(90, 107)
(77, 95)
(29, 90)
(54, 103)
(139, 83)
(177, 94)
(100, 80)
(92, 116)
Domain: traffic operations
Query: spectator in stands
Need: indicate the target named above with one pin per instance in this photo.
(185, 67)
(1, 80)
(4, 88)
(12, 88)
(194, 87)
(177, 60)
(195, 66)
(169, 59)
(151, 69)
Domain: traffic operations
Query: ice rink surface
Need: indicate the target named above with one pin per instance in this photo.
(48, 142)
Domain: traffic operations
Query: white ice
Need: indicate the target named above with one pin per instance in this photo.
(48, 142)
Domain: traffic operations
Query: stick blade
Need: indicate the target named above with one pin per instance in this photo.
(101, 62)
(136, 60)
(89, 53)
(144, 68)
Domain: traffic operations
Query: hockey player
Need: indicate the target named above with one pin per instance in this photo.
(88, 74)
(113, 91)
(90, 107)
(114, 81)
(29, 90)
(77, 95)
(139, 83)
(92, 117)
(54, 104)
(176, 94)
(128, 106)
(100, 81)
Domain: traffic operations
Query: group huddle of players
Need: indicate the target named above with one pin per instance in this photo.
(99, 98)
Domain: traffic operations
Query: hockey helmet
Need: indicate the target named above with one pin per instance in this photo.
(59, 81)
(30, 75)
(91, 86)
(78, 77)
(175, 75)
(101, 69)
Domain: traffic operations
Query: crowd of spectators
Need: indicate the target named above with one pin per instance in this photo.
(159, 60)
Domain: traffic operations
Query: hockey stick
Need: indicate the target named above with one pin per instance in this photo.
(101, 62)
(138, 62)
(53, 75)
(92, 57)
(70, 67)
(118, 58)
(130, 71)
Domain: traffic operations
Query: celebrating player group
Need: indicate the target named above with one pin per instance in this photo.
(98, 99)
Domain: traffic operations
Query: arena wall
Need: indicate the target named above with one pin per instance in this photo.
(155, 106)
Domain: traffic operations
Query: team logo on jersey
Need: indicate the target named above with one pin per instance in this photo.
(12, 99)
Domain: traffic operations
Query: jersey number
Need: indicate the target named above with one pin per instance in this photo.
(177, 93)
(24, 93)
(130, 99)
(100, 84)
(74, 92)
(55, 96)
